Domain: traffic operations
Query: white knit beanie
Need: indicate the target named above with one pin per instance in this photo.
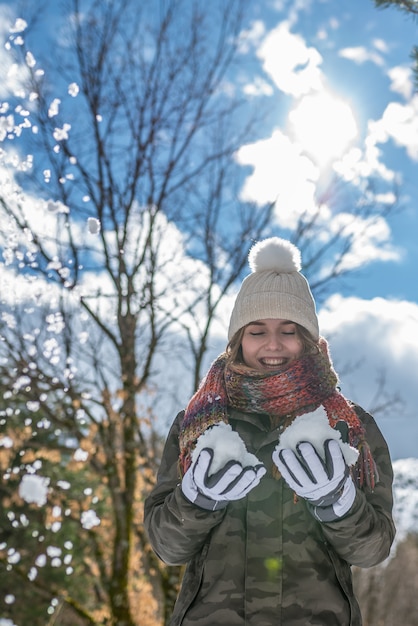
(275, 289)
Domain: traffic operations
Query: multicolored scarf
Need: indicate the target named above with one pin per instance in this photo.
(309, 382)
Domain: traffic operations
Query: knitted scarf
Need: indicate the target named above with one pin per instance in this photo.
(309, 382)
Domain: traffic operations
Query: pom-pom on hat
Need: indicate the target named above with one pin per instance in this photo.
(275, 289)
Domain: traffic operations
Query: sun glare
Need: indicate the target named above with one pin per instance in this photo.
(324, 126)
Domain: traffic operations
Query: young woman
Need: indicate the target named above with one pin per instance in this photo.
(269, 539)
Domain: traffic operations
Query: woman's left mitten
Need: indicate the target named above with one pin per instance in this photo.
(325, 484)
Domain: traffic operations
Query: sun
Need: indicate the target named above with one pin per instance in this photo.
(324, 126)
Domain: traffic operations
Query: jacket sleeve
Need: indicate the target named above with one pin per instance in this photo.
(364, 536)
(177, 529)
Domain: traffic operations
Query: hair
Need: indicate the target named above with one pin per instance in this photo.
(234, 347)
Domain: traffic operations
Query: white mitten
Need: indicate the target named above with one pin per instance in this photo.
(213, 491)
(326, 483)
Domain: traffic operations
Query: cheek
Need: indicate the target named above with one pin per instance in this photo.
(247, 349)
(298, 348)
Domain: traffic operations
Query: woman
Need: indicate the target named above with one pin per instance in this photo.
(271, 541)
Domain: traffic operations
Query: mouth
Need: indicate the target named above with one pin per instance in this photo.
(273, 363)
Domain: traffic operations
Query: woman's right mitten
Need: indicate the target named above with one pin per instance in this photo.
(213, 491)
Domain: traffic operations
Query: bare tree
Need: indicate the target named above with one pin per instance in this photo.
(146, 124)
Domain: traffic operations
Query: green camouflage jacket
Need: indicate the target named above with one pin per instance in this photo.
(264, 560)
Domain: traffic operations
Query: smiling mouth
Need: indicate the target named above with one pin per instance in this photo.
(270, 362)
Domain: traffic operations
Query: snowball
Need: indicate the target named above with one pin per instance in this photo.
(227, 446)
(315, 428)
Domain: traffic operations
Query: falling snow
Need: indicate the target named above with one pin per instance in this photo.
(34, 488)
(73, 90)
(93, 225)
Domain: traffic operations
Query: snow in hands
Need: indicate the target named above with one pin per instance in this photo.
(227, 446)
(314, 428)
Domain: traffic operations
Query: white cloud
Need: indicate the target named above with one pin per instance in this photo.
(401, 81)
(324, 125)
(251, 37)
(370, 240)
(363, 163)
(361, 54)
(280, 174)
(319, 128)
(258, 87)
(283, 175)
(400, 123)
(323, 34)
(292, 65)
(291, 7)
(380, 44)
(371, 339)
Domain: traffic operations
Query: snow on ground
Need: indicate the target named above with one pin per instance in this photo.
(405, 489)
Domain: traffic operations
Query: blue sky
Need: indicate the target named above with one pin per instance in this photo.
(360, 56)
(335, 79)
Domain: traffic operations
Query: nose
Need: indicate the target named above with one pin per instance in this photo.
(273, 342)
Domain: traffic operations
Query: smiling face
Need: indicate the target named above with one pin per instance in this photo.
(271, 344)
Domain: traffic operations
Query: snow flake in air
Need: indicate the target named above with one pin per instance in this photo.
(73, 90)
(93, 225)
(89, 519)
(54, 107)
(34, 489)
(19, 26)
